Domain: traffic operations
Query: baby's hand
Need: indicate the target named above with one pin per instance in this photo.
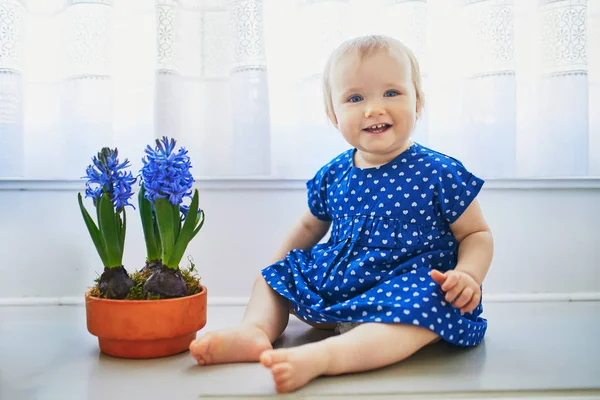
(461, 289)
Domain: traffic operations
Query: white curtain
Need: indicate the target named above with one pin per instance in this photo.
(512, 86)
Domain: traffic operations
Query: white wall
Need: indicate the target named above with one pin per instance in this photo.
(547, 238)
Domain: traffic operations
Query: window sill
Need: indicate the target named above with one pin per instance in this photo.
(274, 183)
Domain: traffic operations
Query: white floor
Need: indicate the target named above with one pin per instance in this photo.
(532, 350)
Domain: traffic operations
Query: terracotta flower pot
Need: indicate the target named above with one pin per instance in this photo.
(145, 328)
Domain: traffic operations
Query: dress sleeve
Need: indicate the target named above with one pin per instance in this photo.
(457, 189)
(317, 195)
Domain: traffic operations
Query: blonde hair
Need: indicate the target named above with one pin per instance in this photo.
(366, 46)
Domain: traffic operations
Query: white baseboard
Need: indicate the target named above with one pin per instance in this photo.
(242, 301)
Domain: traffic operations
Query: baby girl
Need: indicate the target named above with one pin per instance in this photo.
(408, 249)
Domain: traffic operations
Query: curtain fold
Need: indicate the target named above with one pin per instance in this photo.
(512, 86)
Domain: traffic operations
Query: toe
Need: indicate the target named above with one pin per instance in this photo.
(281, 372)
(266, 358)
(278, 356)
(285, 386)
(200, 360)
(200, 350)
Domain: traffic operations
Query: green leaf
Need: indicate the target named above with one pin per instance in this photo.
(149, 226)
(93, 230)
(176, 222)
(157, 236)
(108, 230)
(118, 224)
(164, 218)
(97, 207)
(200, 223)
(123, 230)
(186, 234)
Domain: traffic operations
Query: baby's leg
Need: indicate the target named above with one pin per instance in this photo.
(265, 319)
(366, 347)
(317, 325)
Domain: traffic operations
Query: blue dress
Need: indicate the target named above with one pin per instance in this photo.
(390, 227)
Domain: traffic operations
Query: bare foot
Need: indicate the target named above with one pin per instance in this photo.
(243, 343)
(295, 367)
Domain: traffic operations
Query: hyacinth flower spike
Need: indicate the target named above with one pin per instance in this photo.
(109, 186)
(168, 225)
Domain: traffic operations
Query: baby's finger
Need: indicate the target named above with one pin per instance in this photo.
(454, 293)
(438, 277)
(472, 304)
(452, 281)
(464, 298)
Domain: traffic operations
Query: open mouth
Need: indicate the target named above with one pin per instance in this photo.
(378, 128)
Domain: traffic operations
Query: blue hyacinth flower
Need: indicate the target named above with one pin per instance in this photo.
(166, 180)
(166, 173)
(110, 187)
(107, 175)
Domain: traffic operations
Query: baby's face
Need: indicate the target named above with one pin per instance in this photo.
(374, 102)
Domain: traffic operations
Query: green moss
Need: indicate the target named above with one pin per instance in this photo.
(190, 278)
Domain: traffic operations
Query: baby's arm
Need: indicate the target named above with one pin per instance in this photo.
(306, 233)
(475, 250)
(476, 246)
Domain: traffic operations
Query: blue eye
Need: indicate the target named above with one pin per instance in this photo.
(355, 99)
(391, 93)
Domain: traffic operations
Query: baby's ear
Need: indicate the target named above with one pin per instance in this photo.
(419, 109)
(333, 119)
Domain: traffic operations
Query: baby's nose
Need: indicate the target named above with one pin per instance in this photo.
(374, 109)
